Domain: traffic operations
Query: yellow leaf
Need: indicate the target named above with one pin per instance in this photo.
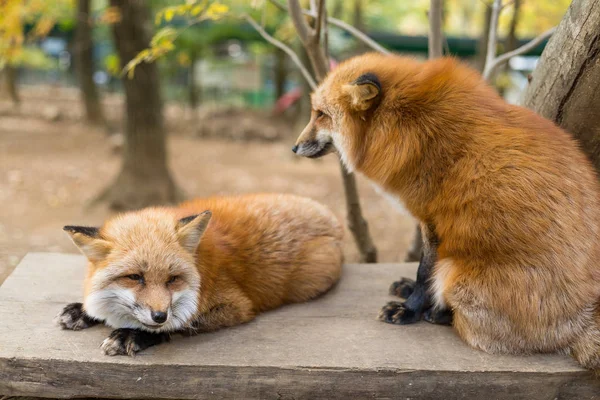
(183, 59)
(111, 15)
(169, 14)
(216, 10)
(197, 10)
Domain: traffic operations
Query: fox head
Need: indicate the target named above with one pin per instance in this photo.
(142, 269)
(371, 110)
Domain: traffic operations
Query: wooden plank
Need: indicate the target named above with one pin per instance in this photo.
(329, 348)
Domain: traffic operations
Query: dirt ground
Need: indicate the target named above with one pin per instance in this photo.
(52, 165)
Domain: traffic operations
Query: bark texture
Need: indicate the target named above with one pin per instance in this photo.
(10, 76)
(565, 86)
(144, 179)
(84, 64)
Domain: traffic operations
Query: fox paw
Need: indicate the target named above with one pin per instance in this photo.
(128, 342)
(395, 312)
(438, 317)
(121, 342)
(73, 317)
(403, 288)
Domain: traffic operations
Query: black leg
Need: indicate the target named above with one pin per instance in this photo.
(419, 299)
(74, 318)
(127, 342)
(441, 316)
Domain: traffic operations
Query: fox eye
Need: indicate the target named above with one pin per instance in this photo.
(173, 279)
(135, 277)
(320, 113)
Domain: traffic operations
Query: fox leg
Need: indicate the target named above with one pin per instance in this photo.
(416, 293)
(74, 318)
(233, 310)
(127, 342)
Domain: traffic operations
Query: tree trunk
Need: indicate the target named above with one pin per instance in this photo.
(11, 74)
(565, 86)
(416, 248)
(484, 39)
(280, 73)
(359, 23)
(194, 94)
(144, 179)
(435, 29)
(84, 64)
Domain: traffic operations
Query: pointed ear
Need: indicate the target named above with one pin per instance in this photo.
(364, 91)
(88, 240)
(190, 230)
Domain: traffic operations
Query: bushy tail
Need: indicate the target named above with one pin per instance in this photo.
(586, 348)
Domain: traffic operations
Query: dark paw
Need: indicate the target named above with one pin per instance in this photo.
(438, 317)
(394, 312)
(74, 318)
(402, 288)
(127, 342)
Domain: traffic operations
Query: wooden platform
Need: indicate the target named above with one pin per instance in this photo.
(332, 348)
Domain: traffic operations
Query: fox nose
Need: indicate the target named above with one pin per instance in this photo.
(159, 316)
(295, 148)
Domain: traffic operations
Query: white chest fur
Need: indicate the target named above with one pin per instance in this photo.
(393, 199)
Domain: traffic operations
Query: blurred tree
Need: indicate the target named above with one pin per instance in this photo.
(280, 72)
(144, 178)
(15, 42)
(84, 64)
(10, 74)
(565, 86)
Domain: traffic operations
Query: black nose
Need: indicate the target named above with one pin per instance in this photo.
(159, 317)
(295, 149)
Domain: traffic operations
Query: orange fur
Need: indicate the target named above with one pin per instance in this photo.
(257, 253)
(513, 199)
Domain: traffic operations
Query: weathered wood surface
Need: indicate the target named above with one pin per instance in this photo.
(330, 348)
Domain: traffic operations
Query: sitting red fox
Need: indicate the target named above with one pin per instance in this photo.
(507, 201)
(162, 270)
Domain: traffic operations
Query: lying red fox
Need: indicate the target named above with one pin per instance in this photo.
(507, 201)
(159, 271)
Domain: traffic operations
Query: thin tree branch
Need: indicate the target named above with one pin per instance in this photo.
(325, 32)
(491, 66)
(493, 35)
(304, 31)
(319, 22)
(345, 26)
(435, 29)
(285, 48)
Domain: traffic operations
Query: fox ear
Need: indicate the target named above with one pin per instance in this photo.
(88, 240)
(190, 230)
(363, 91)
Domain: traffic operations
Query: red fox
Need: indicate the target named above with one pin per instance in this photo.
(508, 201)
(207, 264)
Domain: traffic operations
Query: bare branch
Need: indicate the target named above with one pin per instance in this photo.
(325, 32)
(319, 20)
(493, 35)
(285, 48)
(345, 26)
(304, 31)
(435, 29)
(491, 66)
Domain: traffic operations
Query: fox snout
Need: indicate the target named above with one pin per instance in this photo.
(312, 144)
(159, 317)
